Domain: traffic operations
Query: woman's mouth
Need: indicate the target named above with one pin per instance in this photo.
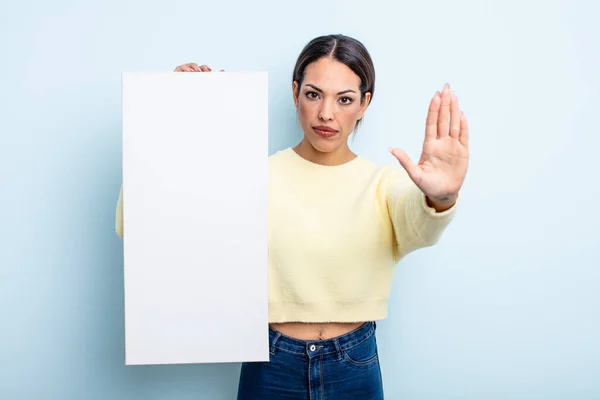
(324, 131)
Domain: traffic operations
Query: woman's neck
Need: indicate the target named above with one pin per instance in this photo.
(339, 156)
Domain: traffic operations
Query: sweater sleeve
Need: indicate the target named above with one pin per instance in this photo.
(119, 214)
(415, 223)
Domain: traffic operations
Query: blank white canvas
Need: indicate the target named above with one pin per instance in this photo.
(195, 155)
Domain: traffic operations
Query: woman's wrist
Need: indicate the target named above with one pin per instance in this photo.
(442, 203)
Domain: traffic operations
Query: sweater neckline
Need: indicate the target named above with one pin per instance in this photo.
(301, 160)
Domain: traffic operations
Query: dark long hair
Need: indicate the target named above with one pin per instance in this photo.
(344, 49)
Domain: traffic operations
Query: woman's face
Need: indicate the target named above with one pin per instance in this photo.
(329, 97)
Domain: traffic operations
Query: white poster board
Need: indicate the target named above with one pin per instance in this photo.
(195, 155)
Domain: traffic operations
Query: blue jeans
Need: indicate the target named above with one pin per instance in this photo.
(345, 367)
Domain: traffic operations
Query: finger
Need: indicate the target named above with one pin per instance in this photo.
(443, 126)
(182, 68)
(464, 130)
(222, 70)
(194, 67)
(205, 68)
(454, 117)
(432, 117)
(414, 172)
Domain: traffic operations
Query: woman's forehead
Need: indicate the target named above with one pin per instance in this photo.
(329, 74)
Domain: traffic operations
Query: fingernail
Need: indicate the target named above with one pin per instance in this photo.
(447, 85)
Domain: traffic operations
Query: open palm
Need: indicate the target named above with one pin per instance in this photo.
(441, 170)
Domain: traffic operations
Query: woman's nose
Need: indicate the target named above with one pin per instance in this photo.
(326, 112)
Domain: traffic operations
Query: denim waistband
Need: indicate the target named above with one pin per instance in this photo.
(278, 340)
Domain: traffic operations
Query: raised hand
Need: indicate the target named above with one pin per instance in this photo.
(442, 168)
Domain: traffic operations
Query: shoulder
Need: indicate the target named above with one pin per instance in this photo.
(384, 173)
(280, 156)
(280, 162)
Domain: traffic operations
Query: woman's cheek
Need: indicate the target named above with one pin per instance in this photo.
(305, 111)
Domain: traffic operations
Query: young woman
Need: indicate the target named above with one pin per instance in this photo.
(338, 225)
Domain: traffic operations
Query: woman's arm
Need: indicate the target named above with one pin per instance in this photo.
(416, 223)
(423, 200)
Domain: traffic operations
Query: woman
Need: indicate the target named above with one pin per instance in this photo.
(338, 225)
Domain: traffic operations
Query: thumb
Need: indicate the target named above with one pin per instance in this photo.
(414, 172)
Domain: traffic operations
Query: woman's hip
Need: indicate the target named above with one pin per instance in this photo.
(344, 367)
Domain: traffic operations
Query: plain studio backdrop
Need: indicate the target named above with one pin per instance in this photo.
(506, 306)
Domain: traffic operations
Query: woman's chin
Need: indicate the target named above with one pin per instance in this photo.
(325, 145)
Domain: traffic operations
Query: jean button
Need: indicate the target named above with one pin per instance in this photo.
(312, 347)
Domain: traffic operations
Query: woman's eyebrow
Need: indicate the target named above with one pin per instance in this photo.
(320, 91)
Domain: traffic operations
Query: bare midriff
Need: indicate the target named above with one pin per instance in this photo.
(315, 331)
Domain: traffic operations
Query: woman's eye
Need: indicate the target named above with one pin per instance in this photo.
(315, 95)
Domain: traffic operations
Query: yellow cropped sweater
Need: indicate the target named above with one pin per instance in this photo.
(336, 234)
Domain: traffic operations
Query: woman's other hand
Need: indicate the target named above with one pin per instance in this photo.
(193, 67)
(442, 167)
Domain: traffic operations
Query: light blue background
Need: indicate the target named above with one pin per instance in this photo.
(507, 306)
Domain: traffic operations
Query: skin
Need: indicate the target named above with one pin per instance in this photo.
(330, 96)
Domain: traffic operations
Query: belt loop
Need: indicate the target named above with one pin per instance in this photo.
(338, 350)
(275, 339)
(374, 325)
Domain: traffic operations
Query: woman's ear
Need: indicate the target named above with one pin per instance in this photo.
(295, 93)
(364, 105)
